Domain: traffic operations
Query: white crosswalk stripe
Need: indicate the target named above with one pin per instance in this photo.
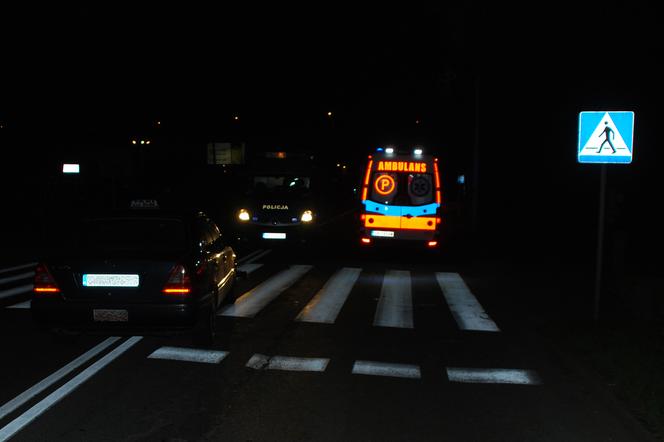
(492, 376)
(249, 268)
(19, 277)
(467, 311)
(19, 267)
(252, 302)
(15, 291)
(21, 305)
(325, 306)
(395, 306)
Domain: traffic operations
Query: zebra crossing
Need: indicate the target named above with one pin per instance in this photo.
(394, 308)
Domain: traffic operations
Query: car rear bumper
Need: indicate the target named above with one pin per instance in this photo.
(60, 313)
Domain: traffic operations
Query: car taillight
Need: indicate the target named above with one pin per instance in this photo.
(44, 283)
(366, 240)
(179, 283)
(432, 243)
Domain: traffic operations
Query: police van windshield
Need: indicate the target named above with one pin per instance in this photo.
(284, 184)
(402, 189)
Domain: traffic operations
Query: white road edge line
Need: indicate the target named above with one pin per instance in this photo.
(25, 275)
(287, 363)
(395, 306)
(19, 267)
(373, 368)
(325, 306)
(189, 355)
(467, 311)
(36, 389)
(38, 409)
(16, 291)
(249, 256)
(493, 376)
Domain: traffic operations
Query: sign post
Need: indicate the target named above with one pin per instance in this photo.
(605, 137)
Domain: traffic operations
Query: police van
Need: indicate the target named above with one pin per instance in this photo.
(279, 204)
(401, 198)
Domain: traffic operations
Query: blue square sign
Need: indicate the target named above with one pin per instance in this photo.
(606, 137)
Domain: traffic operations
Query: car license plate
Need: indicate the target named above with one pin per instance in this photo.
(110, 280)
(382, 233)
(106, 315)
(273, 235)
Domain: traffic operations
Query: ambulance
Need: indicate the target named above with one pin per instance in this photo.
(401, 198)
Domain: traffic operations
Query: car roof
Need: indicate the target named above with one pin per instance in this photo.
(184, 214)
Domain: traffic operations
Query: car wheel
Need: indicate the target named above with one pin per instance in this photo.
(205, 328)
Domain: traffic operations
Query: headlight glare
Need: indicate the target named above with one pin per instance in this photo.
(307, 216)
(243, 215)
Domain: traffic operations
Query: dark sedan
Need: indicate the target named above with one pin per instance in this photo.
(138, 268)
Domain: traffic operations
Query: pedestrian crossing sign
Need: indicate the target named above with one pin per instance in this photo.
(606, 137)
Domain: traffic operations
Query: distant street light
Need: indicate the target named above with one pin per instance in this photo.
(236, 118)
(329, 114)
(133, 141)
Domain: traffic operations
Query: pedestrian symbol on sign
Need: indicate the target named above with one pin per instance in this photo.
(609, 134)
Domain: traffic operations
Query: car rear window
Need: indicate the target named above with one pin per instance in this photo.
(134, 235)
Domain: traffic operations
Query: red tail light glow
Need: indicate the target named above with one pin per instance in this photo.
(178, 282)
(366, 240)
(44, 282)
(432, 243)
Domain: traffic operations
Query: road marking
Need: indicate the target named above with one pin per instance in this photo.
(252, 302)
(257, 257)
(287, 363)
(395, 306)
(39, 387)
(467, 311)
(16, 291)
(17, 277)
(249, 268)
(325, 306)
(373, 368)
(189, 355)
(19, 267)
(38, 409)
(493, 376)
(249, 256)
(21, 305)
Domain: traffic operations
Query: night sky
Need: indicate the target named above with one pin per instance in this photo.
(98, 75)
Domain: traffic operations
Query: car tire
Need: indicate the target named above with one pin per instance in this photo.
(205, 328)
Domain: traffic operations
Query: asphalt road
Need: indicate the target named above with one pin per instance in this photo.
(329, 342)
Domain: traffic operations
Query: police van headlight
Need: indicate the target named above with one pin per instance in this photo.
(243, 215)
(307, 216)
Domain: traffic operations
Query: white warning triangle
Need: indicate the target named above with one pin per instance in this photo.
(592, 146)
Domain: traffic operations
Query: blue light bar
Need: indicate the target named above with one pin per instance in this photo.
(380, 149)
